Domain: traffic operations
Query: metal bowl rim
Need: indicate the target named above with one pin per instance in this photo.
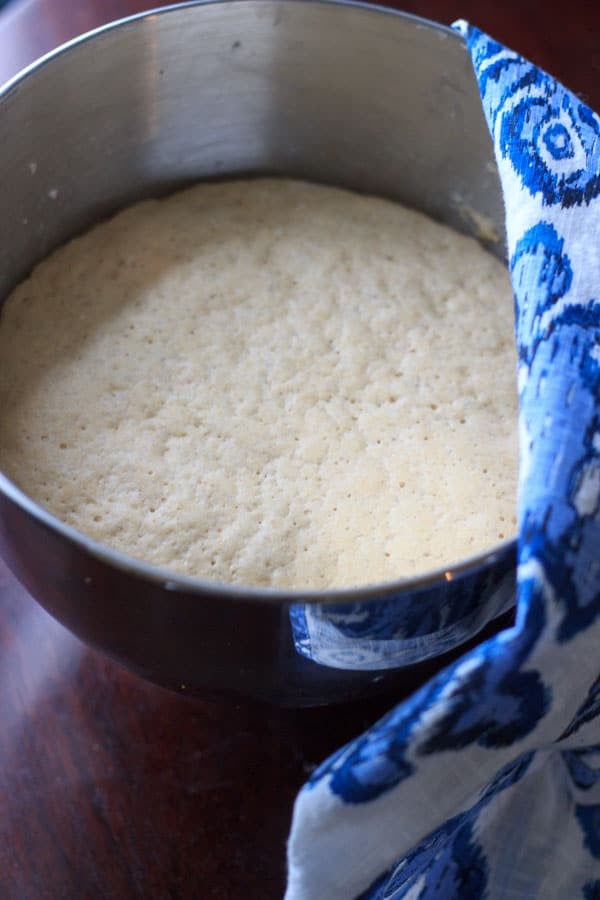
(159, 11)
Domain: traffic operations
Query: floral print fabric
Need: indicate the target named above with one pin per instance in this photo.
(486, 783)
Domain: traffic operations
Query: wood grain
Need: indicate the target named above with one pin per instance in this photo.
(111, 787)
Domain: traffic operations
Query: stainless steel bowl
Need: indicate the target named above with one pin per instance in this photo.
(340, 93)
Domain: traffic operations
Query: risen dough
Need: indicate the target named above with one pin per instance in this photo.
(267, 382)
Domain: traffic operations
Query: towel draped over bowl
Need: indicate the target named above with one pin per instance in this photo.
(486, 782)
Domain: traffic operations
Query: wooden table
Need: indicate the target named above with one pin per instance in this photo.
(111, 787)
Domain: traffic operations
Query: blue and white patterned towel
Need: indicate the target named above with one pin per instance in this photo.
(486, 783)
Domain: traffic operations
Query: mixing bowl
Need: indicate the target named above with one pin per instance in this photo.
(342, 93)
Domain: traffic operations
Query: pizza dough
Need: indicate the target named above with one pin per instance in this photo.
(267, 382)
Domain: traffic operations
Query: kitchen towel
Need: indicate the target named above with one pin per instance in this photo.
(486, 782)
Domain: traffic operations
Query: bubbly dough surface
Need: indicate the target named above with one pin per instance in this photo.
(267, 382)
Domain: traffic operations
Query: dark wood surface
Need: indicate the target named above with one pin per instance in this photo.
(111, 787)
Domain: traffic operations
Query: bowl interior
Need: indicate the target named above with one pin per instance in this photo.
(330, 92)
